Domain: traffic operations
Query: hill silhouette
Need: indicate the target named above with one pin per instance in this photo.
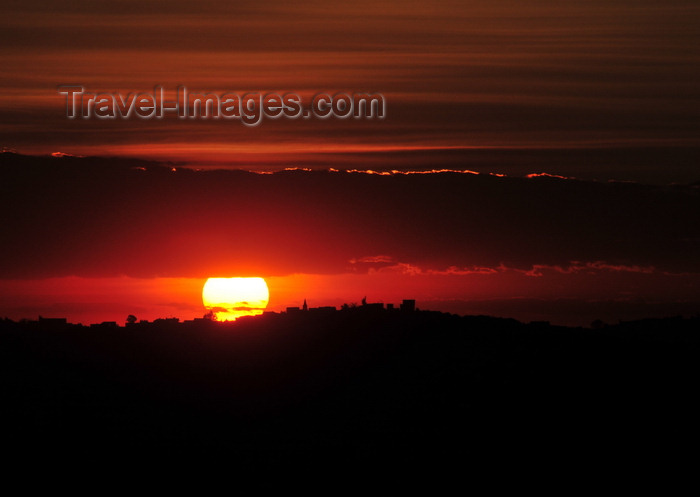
(376, 387)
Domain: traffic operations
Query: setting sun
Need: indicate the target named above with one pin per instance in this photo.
(231, 298)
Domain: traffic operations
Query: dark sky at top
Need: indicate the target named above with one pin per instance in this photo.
(467, 82)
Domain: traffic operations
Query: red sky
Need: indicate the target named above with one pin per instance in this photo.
(461, 242)
(597, 90)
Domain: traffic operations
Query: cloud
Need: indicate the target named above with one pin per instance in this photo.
(589, 267)
(63, 154)
(536, 270)
(109, 217)
(373, 259)
(414, 270)
(547, 175)
(462, 80)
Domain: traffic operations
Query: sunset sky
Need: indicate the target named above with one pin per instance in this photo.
(602, 96)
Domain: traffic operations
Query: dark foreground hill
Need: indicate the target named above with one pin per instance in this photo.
(383, 388)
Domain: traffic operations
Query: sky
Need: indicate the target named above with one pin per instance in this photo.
(600, 95)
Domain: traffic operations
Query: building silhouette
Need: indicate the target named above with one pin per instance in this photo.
(408, 305)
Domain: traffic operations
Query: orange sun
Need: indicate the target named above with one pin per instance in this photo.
(231, 298)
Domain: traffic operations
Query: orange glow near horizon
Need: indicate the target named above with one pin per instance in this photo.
(506, 293)
(232, 298)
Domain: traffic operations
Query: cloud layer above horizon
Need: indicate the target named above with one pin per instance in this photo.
(98, 218)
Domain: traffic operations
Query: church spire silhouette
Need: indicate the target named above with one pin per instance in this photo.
(306, 307)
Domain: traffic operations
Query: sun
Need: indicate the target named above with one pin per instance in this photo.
(231, 298)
